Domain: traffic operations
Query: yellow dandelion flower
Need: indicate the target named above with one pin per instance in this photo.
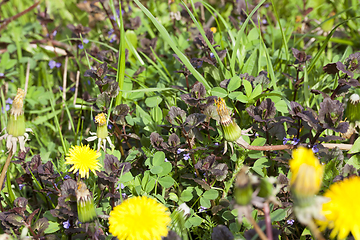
(84, 159)
(342, 212)
(307, 172)
(231, 130)
(213, 29)
(139, 218)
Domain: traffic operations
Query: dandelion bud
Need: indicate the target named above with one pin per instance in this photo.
(307, 173)
(102, 131)
(231, 130)
(353, 108)
(85, 204)
(243, 188)
(16, 123)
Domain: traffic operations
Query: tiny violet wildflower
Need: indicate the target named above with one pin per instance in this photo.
(67, 177)
(80, 46)
(166, 160)
(202, 209)
(285, 140)
(54, 33)
(85, 40)
(186, 156)
(295, 141)
(216, 144)
(58, 65)
(21, 186)
(72, 89)
(112, 39)
(180, 150)
(9, 101)
(2, 74)
(290, 221)
(315, 148)
(110, 126)
(52, 64)
(66, 224)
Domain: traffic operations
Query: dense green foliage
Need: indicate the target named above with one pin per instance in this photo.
(285, 68)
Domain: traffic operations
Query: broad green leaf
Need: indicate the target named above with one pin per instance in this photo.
(166, 181)
(159, 158)
(219, 92)
(211, 194)
(248, 87)
(235, 83)
(156, 169)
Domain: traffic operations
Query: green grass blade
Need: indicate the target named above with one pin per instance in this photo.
(172, 44)
(282, 32)
(238, 37)
(121, 60)
(202, 32)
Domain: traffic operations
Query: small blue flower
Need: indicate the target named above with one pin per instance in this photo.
(112, 17)
(66, 224)
(21, 186)
(61, 88)
(216, 144)
(110, 126)
(1, 74)
(290, 221)
(212, 55)
(264, 21)
(85, 40)
(180, 150)
(67, 177)
(80, 46)
(186, 156)
(202, 209)
(54, 33)
(58, 64)
(89, 82)
(166, 160)
(9, 101)
(113, 39)
(72, 89)
(315, 148)
(52, 64)
(295, 141)
(285, 140)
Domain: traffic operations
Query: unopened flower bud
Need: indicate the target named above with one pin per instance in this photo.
(231, 130)
(243, 188)
(85, 204)
(352, 112)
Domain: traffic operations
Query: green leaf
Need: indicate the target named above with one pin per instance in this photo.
(186, 195)
(167, 167)
(195, 221)
(234, 95)
(257, 91)
(356, 147)
(248, 87)
(278, 215)
(242, 98)
(205, 202)
(153, 101)
(235, 83)
(156, 169)
(211, 194)
(166, 181)
(218, 91)
(258, 141)
(159, 158)
(52, 228)
(354, 161)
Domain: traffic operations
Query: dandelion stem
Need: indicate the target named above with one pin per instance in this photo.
(256, 226)
(314, 230)
(268, 221)
(6, 166)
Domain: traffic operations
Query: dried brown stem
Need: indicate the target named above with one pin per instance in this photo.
(6, 166)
